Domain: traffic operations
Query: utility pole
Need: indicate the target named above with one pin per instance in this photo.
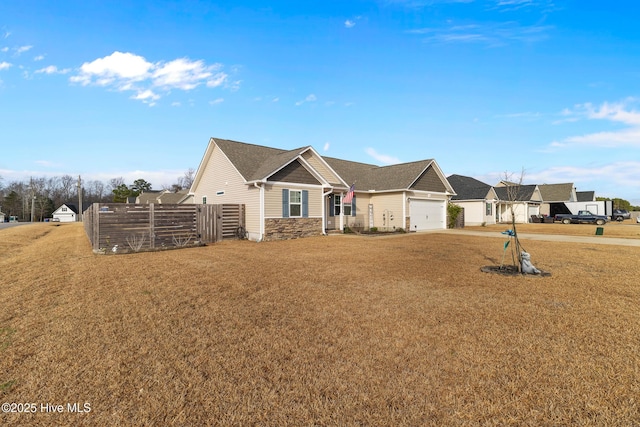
(33, 200)
(79, 199)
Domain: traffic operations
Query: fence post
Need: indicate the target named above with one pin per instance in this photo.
(217, 214)
(152, 240)
(95, 217)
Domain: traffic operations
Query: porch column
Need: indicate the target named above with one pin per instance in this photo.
(341, 211)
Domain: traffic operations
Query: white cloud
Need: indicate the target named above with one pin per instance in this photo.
(218, 79)
(38, 58)
(5, 66)
(4, 49)
(52, 69)
(326, 146)
(349, 24)
(125, 71)
(619, 112)
(276, 99)
(147, 96)
(490, 34)
(186, 75)
(309, 98)
(22, 49)
(216, 101)
(382, 158)
(118, 68)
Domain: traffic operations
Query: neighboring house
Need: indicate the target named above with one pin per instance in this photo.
(171, 198)
(2, 215)
(147, 197)
(478, 199)
(525, 201)
(163, 196)
(296, 193)
(66, 213)
(554, 197)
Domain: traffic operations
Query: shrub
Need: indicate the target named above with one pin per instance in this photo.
(453, 211)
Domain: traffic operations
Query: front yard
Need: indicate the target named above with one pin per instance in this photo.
(339, 330)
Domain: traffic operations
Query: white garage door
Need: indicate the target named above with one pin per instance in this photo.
(427, 214)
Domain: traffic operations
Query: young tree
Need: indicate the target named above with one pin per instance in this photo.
(513, 190)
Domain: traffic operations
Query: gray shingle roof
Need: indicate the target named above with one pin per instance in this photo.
(380, 178)
(468, 188)
(255, 162)
(174, 198)
(556, 192)
(523, 193)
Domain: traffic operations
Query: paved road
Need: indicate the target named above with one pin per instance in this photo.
(4, 225)
(601, 240)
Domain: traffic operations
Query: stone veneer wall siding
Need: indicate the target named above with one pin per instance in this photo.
(291, 228)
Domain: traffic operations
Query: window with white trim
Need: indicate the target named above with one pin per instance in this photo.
(295, 203)
(337, 204)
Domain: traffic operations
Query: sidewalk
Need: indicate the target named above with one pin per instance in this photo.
(601, 240)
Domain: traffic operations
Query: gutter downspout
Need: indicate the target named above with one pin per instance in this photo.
(257, 185)
(404, 211)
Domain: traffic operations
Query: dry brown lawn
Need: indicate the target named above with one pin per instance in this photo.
(625, 229)
(340, 330)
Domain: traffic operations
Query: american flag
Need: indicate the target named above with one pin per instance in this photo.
(349, 197)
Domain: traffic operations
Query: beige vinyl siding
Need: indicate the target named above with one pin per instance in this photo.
(362, 211)
(387, 204)
(320, 167)
(273, 200)
(475, 212)
(220, 175)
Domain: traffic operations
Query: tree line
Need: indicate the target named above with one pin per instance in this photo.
(45, 195)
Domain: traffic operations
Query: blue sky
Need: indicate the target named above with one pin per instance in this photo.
(106, 89)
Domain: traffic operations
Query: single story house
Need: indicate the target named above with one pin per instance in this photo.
(297, 193)
(478, 199)
(67, 212)
(554, 197)
(524, 200)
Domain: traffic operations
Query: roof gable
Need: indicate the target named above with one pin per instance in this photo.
(519, 193)
(294, 172)
(73, 208)
(557, 192)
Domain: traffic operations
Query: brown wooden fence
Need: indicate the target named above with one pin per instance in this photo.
(132, 227)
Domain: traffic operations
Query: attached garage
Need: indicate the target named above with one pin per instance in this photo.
(427, 214)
